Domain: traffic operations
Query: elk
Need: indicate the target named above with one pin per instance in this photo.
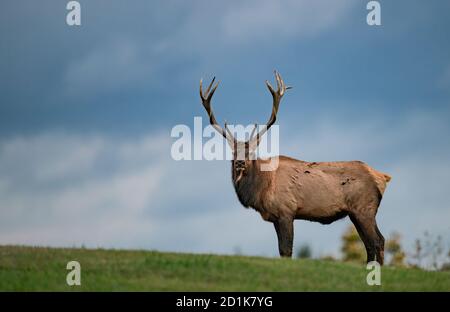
(315, 191)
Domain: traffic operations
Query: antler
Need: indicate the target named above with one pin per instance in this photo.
(206, 101)
(276, 95)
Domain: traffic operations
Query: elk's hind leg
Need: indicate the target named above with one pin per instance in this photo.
(380, 247)
(285, 233)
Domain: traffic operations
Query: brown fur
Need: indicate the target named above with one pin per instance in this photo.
(316, 191)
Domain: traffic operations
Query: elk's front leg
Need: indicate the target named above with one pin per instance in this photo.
(285, 233)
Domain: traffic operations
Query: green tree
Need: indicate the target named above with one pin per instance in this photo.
(304, 252)
(394, 250)
(352, 247)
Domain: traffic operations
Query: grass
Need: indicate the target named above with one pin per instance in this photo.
(44, 269)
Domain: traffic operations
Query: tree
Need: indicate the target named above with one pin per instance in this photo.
(352, 247)
(394, 250)
(430, 252)
(417, 256)
(304, 252)
(446, 265)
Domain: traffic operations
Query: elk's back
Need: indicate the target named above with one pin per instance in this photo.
(324, 191)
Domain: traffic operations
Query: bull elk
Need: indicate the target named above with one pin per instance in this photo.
(316, 191)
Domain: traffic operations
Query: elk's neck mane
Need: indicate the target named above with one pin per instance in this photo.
(252, 190)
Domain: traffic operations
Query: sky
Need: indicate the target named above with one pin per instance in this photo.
(86, 114)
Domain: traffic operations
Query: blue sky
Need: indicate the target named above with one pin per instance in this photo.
(86, 114)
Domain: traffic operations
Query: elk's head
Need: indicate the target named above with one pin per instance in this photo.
(243, 151)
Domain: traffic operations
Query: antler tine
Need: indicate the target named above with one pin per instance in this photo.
(207, 92)
(213, 90)
(228, 130)
(276, 95)
(210, 85)
(253, 131)
(279, 81)
(269, 86)
(206, 101)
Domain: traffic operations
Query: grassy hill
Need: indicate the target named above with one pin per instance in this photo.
(44, 269)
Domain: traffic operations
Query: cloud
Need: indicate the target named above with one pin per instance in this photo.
(109, 67)
(275, 20)
(128, 59)
(444, 81)
(69, 190)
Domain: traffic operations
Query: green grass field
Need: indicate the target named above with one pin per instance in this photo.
(44, 269)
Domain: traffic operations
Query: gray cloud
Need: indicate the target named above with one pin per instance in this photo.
(137, 59)
(444, 80)
(109, 67)
(280, 20)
